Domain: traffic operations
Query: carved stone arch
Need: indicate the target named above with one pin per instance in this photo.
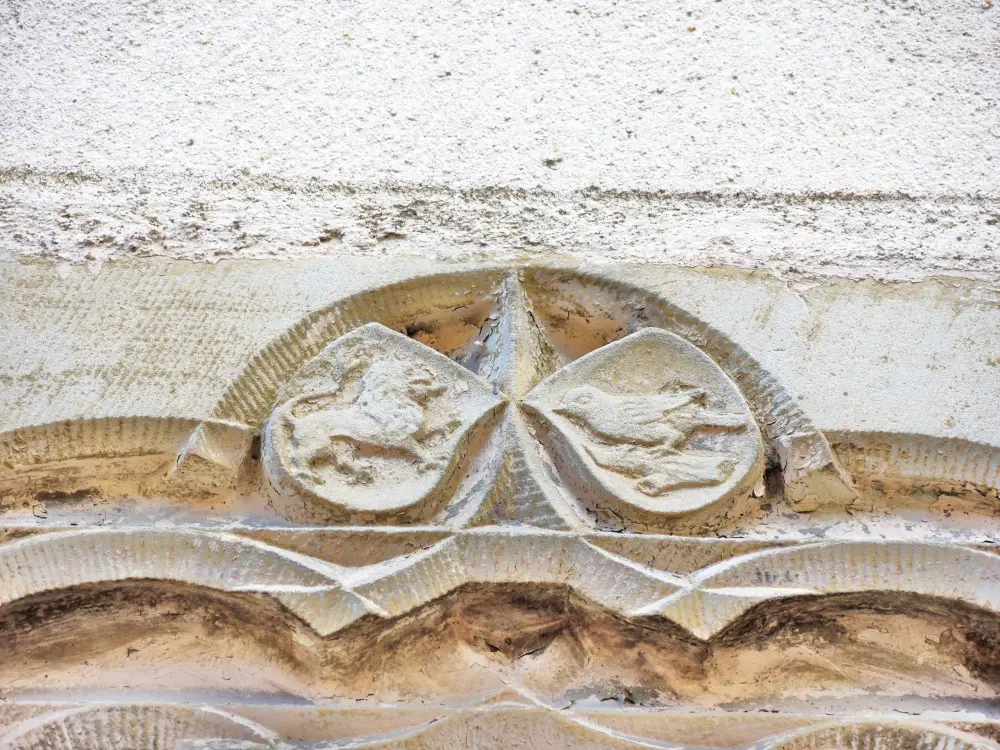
(501, 324)
(225, 562)
(721, 593)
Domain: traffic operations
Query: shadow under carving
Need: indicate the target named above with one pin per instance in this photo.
(146, 634)
(484, 638)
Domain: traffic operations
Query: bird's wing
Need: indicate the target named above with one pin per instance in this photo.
(667, 402)
(649, 409)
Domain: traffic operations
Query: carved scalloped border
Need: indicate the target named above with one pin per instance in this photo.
(143, 724)
(329, 597)
(226, 562)
(494, 729)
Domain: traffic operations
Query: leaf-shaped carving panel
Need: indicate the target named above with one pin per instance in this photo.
(649, 425)
(374, 427)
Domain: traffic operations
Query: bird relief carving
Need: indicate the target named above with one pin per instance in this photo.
(648, 425)
(374, 424)
(648, 436)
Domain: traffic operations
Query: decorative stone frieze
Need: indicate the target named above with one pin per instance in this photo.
(493, 505)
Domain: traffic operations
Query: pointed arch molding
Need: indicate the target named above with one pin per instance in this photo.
(432, 304)
(515, 332)
(330, 597)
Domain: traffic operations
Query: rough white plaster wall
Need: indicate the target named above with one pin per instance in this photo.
(776, 95)
(848, 136)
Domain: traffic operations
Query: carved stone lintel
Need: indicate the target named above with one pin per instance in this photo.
(493, 520)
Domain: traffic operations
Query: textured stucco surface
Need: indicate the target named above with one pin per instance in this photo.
(856, 138)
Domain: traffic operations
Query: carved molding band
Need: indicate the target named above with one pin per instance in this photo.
(329, 597)
(498, 502)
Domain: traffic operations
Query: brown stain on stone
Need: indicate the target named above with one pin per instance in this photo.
(136, 627)
(479, 637)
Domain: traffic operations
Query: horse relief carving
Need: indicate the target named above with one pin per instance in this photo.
(650, 425)
(377, 425)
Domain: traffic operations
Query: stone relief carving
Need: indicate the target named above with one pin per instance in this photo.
(378, 426)
(651, 422)
(388, 416)
(427, 516)
(648, 436)
(581, 314)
